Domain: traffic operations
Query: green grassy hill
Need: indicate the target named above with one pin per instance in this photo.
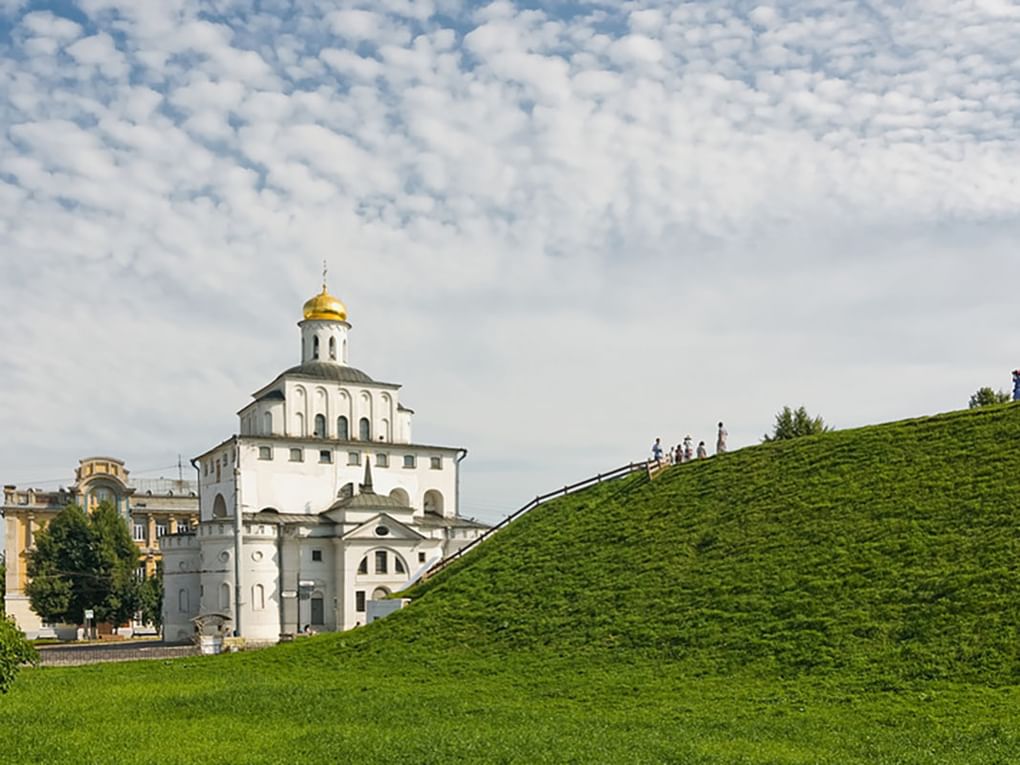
(891, 552)
(845, 598)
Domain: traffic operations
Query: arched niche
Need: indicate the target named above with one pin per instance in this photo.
(432, 502)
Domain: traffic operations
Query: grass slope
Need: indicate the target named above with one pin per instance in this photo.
(889, 552)
(846, 598)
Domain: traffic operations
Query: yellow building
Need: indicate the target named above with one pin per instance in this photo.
(152, 508)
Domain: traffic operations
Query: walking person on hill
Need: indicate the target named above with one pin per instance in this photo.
(720, 440)
(702, 451)
(657, 450)
(688, 449)
(678, 455)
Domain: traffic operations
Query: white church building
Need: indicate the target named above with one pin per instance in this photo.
(321, 503)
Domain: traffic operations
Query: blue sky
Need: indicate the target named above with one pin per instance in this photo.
(565, 228)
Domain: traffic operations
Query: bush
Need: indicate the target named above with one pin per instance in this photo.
(15, 650)
(794, 423)
(987, 397)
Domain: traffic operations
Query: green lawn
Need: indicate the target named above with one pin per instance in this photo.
(316, 702)
(845, 598)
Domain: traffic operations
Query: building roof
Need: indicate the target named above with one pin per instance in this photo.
(429, 519)
(163, 487)
(388, 447)
(271, 516)
(369, 500)
(221, 444)
(321, 370)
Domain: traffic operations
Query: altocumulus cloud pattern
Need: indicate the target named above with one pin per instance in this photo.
(515, 163)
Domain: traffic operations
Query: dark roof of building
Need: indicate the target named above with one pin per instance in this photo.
(273, 395)
(320, 370)
(429, 519)
(272, 516)
(369, 500)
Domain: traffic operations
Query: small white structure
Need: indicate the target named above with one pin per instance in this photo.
(379, 609)
(296, 531)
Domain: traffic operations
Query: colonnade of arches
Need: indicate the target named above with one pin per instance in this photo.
(365, 418)
(364, 413)
(343, 429)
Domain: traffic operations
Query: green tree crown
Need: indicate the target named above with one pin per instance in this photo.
(986, 397)
(83, 561)
(792, 423)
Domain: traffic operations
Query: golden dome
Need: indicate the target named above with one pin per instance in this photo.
(325, 307)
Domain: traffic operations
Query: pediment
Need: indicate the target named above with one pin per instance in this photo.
(394, 529)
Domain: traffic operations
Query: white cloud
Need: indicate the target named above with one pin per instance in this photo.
(636, 48)
(100, 52)
(764, 16)
(45, 24)
(564, 234)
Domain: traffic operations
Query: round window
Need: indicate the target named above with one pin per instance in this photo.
(256, 556)
(381, 531)
(224, 556)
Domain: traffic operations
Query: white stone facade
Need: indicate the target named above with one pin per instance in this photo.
(294, 531)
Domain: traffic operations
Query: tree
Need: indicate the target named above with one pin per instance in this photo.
(986, 397)
(15, 650)
(118, 560)
(151, 598)
(80, 562)
(60, 568)
(792, 423)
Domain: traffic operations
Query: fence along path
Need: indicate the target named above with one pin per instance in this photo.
(95, 653)
(620, 472)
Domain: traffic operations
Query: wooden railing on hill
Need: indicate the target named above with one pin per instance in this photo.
(654, 467)
(620, 472)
